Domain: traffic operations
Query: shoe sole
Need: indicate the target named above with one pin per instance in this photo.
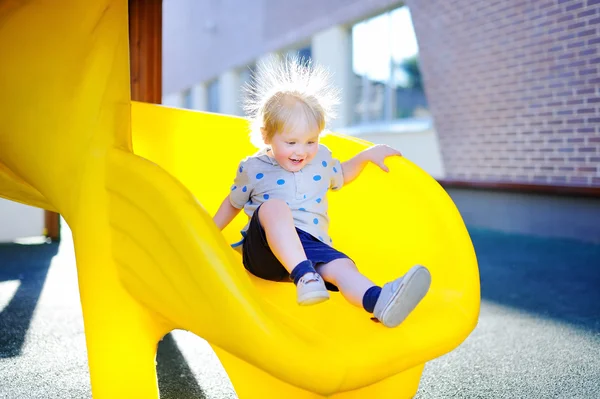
(312, 298)
(414, 287)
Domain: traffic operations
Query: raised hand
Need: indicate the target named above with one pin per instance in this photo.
(378, 153)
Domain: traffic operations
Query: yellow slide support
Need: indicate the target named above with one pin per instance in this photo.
(137, 184)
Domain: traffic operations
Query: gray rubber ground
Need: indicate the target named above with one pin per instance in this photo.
(538, 334)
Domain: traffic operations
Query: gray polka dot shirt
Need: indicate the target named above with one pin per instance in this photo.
(260, 178)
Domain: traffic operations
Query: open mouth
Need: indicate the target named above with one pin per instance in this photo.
(296, 161)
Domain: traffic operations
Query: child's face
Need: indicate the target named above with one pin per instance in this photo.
(293, 149)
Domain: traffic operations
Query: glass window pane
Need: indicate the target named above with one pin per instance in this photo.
(187, 99)
(213, 96)
(305, 53)
(385, 63)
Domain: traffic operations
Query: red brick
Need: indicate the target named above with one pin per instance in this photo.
(574, 7)
(579, 180)
(587, 32)
(589, 51)
(586, 13)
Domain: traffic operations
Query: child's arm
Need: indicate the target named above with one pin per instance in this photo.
(376, 154)
(225, 214)
(238, 196)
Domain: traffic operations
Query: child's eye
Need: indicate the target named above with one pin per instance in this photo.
(291, 142)
(311, 142)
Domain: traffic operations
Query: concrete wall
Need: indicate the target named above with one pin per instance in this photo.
(201, 39)
(416, 139)
(17, 221)
(541, 215)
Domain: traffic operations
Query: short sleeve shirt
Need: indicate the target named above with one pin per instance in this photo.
(259, 178)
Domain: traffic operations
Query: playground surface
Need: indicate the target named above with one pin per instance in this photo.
(538, 334)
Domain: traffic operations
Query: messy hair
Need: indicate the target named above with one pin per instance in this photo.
(288, 93)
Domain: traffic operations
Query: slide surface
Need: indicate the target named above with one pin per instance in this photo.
(386, 222)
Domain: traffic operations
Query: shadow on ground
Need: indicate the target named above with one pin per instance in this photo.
(555, 278)
(175, 378)
(28, 265)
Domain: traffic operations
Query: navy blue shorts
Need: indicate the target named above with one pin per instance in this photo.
(259, 259)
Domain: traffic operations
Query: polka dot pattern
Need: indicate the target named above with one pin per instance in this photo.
(307, 189)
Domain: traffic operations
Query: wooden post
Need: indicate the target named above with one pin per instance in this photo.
(52, 225)
(145, 50)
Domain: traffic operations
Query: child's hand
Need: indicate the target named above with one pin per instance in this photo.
(378, 153)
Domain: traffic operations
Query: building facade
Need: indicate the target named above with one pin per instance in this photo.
(501, 94)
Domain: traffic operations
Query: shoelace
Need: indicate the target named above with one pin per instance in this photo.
(315, 277)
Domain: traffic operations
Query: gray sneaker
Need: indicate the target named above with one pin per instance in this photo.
(399, 297)
(311, 289)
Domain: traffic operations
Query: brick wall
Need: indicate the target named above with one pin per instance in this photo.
(514, 87)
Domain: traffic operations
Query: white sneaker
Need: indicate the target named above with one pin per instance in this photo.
(399, 297)
(311, 289)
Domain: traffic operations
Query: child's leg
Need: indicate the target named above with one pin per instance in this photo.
(277, 221)
(391, 303)
(343, 273)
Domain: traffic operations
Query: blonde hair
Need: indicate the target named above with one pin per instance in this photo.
(286, 94)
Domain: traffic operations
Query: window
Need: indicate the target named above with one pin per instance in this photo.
(246, 73)
(213, 96)
(386, 67)
(188, 101)
(305, 53)
(246, 76)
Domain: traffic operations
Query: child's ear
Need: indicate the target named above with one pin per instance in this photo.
(265, 136)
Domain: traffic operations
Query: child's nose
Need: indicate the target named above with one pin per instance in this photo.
(305, 150)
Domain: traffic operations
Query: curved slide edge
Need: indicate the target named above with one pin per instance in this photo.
(16, 189)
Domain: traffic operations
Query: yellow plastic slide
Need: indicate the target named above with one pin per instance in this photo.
(137, 184)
